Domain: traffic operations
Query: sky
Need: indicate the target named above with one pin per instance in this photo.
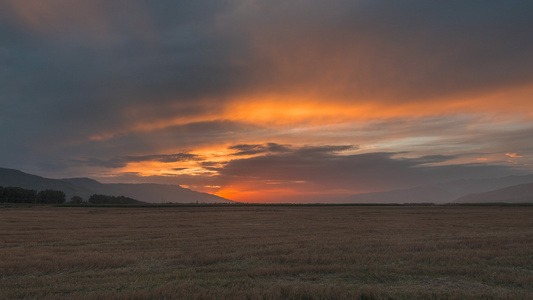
(268, 101)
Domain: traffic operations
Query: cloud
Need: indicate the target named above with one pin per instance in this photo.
(389, 51)
(429, 159)
(323, 150)
(168, 61)
(514, 155)
(272, 148)
(163, 70)
(122, 161)
(247, 149)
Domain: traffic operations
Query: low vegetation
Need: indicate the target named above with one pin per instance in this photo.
(266, 252)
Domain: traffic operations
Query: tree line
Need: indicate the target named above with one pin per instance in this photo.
(21, 195)
(105, 199)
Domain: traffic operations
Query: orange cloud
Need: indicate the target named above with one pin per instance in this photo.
(313, 109)
(513, 155)
(216, 156)
(316, 109)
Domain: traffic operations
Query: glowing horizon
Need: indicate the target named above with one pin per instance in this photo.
(267, 102)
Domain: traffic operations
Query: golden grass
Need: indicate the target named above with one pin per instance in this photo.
(267, 252)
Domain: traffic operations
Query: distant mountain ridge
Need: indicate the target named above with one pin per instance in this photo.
(522, 193)
(440, 193)
(85, 187)
(510, 189)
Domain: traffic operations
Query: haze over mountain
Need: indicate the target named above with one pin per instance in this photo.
(85, 187)
(442, 193)
(522, 193)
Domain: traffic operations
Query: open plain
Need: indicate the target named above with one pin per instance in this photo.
(267, 252)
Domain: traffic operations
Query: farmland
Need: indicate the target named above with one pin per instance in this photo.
(266, 252)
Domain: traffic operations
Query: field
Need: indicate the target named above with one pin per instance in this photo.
(267, 252)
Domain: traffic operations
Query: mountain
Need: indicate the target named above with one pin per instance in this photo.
(420, 194)
(439, 193)
(85, 187)
(521, 193)
(15, 178)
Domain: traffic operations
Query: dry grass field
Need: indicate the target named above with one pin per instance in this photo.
(266, 252)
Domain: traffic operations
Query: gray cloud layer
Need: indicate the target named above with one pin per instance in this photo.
(327, 168)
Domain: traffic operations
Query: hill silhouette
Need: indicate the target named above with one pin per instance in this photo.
(522, 193)
(439, 193)
(85, 187)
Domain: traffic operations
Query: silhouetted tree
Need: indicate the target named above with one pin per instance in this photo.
(104, 199)
(17, 195)
(76, 200)
(51, 197)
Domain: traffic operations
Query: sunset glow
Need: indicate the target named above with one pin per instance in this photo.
(258, 101)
